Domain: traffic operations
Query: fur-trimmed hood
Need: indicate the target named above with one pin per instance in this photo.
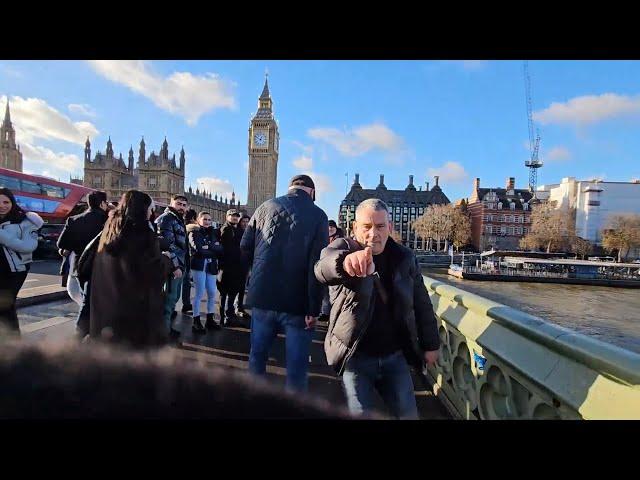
(34, 218)
(193, 227)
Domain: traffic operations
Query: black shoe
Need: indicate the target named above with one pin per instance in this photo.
(211, 323)
(174, 315)
(187, 308)
(197, 326)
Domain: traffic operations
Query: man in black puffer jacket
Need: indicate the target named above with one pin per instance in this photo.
(283, 241)
(382, 319)
(173, 236)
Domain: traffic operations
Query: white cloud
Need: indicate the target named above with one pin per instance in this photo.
(589, 109)
(181, 93)
(33, 118)
(558, 154)
(82, 109)
(215, 185)
(43, 161)
(303, 163)
(451, 172)
(306, 149)
(360, 140)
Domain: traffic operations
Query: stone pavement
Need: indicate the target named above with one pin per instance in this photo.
(229, 347)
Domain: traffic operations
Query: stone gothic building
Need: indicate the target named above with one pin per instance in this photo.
(10, 155)
(158, 174)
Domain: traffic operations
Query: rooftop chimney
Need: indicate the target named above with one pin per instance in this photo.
(437, 177)
(382, 185)
(476, 183)
(410, 179)
(426, 187)
(511, 183)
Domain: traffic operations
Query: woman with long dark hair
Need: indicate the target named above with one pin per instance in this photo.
(128, 276)
(18, 240)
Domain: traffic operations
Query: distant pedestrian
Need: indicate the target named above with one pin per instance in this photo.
(334, 232)
(18, 240)
(128, 276)
(283, 241)
(230, 277)
(78, 231)
(385, 321)
(190, 218)
(244, 221)
(173, 238)
(205, 248)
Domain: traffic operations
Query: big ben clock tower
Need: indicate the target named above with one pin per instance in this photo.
(264, 142)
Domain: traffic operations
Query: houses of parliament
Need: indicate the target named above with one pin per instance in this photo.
(161, 175)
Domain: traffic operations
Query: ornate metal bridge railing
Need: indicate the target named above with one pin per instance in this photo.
(497, 362)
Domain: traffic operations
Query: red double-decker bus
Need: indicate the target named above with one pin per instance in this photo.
(54, 201)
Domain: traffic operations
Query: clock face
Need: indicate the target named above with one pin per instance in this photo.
(260, 139)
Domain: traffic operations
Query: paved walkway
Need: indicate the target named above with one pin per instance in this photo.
(228, 347)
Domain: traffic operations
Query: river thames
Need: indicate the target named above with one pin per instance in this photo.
(609, 314)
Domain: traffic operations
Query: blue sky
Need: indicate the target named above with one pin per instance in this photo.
(456, 119)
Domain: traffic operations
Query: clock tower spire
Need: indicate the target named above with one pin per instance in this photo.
(264, 139)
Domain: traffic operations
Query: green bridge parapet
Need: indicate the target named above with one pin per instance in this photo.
(497, 362)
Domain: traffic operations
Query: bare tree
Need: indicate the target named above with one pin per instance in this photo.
(551, 228)
(622, 234)
(581, 247)
(461, 229)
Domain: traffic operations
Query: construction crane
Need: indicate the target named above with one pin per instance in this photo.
(533, 164)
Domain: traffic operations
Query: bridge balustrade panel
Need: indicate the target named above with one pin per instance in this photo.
(497, 362)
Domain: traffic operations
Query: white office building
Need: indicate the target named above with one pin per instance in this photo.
(595, 201)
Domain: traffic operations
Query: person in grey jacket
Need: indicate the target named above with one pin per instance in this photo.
(282, 244)
(382, 320)
(18, 240)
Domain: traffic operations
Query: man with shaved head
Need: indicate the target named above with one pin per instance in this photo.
(382, 320)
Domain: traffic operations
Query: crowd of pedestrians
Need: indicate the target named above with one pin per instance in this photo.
(127, 271)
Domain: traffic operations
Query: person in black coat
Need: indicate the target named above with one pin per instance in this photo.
(230, 278)
(244, 222)
(190, 218)
(205, 248)
(128, 276)
(78, 231)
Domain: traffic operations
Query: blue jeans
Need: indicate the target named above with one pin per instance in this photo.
(389, 376)
(204, 280)
(265, 325)
(174, 289)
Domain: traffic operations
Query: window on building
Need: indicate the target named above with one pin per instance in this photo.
(511, 230)
(153, 181)
(512, 206)
(503, 229)
(499, 205)
(525, 206)
(97, 181)
(521, 219)
(519, 230)
(526, 230)
(489, 228)
(421, 210)
(501, 218)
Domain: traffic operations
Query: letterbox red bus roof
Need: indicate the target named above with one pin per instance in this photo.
(53, 200)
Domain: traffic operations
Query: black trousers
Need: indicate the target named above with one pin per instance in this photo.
(10, 285)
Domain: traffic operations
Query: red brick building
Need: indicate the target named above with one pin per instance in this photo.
(500, 217)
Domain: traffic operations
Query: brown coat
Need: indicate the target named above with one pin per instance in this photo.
(127, 291)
